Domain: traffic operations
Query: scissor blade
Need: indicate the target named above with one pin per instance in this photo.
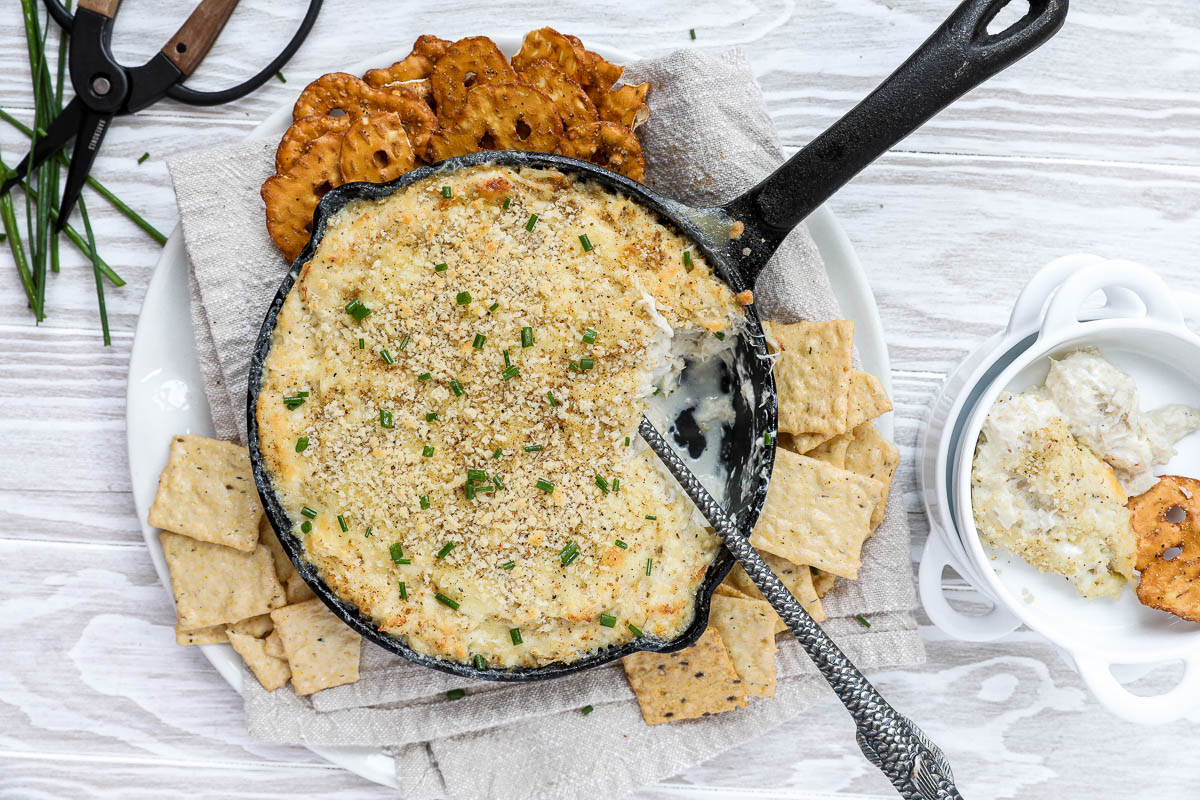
(87, 144)
(65, 126)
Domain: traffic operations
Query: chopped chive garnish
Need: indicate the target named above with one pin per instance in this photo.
(651, 517)
(367, 533)
(357, 310)
(446, 191)
(507, 202)
(508, 565)
(446, 601)
(608, 620)
(496, 480)
(293, 402)
(403, 591)
(431, 416)
(498, 452)
(545, 485)
(306, 527)
(627, 441)
(476, 475)
(445, 551)
(362, 343)
(590, 335)
(456, 387)
(658, 390)
(142, 158)
(510, 373)
(692, 33)
(621, 544)
(342, 523)
(532, 221)
(649, 566)
(553, 399)
(507, 360)
(469, 490)
(586, 710)
(603, 484)
(493, 307)
(515, 635)
(586, 242)
(308, 512)
(862, 620)
(479, 662)
(387, 357)
(534, 448)
(527, 336)
(282, 79)
(616, 484)
(385, 418)
(478, 341)
(463, 298)
(441, 267)
(424, 376)
(636, 630)
(301, 444)
(569, 553)
(573, 366)
(768, 439)
(720, 336)
(404, 561)
(404, 342)
(423, 500)
(687, 258)
(586, 363)
(397, 552)
(427, 451)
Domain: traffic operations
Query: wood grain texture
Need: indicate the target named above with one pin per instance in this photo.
(1093, 143)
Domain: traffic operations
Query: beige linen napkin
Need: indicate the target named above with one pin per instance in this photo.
(708, 139)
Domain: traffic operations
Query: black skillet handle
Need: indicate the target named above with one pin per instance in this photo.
(959, 56)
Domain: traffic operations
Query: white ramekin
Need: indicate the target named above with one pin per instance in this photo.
(1141, 329)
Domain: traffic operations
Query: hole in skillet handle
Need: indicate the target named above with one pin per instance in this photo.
(755, 413)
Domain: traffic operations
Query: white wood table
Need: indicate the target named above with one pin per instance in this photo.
(1092, 143)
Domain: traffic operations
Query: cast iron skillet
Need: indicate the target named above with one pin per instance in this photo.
(960, 55)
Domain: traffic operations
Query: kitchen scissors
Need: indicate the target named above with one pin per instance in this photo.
(105, 89)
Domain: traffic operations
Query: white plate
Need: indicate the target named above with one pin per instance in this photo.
(166, 391)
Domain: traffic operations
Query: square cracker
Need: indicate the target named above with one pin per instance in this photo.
(816, 514)
(812, 374)
(297, 590)
(214, 634)
(872, 455)
(747, 628)
(214, 584)
(321, 649)
(274, 645)
(867, 400)
(258, 627)
(796, 577)
(831, 451)
(689, 684)
(271, 672)
(207, 492)
(283, 564)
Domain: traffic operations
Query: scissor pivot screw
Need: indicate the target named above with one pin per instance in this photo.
(101, 85)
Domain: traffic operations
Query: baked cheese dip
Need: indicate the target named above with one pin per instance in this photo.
(449, 414)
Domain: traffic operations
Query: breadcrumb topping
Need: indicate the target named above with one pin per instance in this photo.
(494, 342)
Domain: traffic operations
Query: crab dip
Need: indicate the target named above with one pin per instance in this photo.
(449, 410)
(1056, 463)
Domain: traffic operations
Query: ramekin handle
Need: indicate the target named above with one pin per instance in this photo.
(1027, 312)
(1062, 314)
(1180, 701)
(985, 628)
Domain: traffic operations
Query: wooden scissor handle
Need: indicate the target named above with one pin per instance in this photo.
(191, 43)
(105, 8)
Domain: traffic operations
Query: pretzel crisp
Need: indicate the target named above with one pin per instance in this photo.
(302, 133)
(506, 116)
(552, 46)
(626, 105)
(375, 149)
(607, 144)
(1166, 520)
(468, 63)
(574, 106)
(292, 198)
(416, 65)
(339, 93)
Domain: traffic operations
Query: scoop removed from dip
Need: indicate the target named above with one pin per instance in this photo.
(449, 414)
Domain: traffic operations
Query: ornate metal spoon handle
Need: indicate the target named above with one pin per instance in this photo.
(915, 766)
